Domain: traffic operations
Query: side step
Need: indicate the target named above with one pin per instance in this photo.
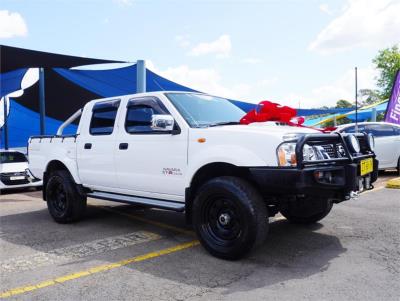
(122, 198)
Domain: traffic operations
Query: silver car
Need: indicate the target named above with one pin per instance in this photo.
(387, 141)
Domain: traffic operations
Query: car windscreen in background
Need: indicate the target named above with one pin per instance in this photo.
(12, 157)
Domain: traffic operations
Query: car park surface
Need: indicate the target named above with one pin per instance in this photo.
(125, 252)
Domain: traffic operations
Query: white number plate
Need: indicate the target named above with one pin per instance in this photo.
(17, 178)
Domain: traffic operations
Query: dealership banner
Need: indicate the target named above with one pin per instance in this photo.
(393, 109)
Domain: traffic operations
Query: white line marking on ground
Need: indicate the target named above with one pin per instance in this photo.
(72, 253)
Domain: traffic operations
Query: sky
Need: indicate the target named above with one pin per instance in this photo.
(300, 52)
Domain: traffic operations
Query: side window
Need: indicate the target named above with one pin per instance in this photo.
(381, 130)
(140, 112)
(350, 129)
(103, 118)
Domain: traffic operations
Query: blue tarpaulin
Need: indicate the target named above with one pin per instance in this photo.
(23, 123)
(121, 81)
(11, 81)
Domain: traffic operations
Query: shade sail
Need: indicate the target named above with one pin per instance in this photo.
(11, 81)
(13, 58)
(121, 81)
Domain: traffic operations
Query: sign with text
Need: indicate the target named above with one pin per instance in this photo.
(393, 109)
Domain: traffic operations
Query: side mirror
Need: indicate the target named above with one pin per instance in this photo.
(163, 123)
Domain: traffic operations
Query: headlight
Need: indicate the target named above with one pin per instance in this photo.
(353, 142)
(371, 142)
(309, 153)
(287, 154)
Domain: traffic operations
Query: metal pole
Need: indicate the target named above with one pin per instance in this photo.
(140, 76)
(5, 125)
(42, 102)
(356, 100)
(373, 115)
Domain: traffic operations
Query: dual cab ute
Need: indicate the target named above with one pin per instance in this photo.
(188, 152)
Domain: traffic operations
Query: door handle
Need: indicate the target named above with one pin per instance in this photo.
(88, 146)
(123, 146)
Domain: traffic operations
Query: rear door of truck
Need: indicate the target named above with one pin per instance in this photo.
(96, 145)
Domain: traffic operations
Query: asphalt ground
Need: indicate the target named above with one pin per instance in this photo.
(121, 252)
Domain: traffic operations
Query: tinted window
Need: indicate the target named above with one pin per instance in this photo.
(103, 118)
(140, 112)
(381, 130)
(12, 157)
(352, 129)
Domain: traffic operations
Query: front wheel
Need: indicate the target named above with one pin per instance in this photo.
(307, 210)
(64, 201)
(229, 217)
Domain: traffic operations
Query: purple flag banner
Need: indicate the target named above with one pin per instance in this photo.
(393, 109)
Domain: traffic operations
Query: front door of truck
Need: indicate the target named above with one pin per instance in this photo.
(149, 162)
(96, 146)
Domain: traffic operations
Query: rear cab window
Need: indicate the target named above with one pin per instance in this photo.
(103, 117)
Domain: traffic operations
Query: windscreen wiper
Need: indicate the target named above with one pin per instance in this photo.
(223, 123)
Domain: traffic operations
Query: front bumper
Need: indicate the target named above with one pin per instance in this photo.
(12, 180)
(345, 179)
(336, 178)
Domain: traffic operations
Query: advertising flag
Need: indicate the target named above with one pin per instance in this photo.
(393, 109)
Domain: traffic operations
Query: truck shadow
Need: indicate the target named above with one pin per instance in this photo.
(290, 252)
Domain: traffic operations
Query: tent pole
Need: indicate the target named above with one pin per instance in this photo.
(140, 76)
(373, 115)
(42, 102)
(5, 125)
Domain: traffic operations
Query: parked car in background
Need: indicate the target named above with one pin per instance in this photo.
(387, 141)
(14, 171)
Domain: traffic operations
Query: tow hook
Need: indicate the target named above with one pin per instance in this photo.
(353, 195)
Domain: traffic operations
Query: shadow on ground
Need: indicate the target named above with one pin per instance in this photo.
(290, 252)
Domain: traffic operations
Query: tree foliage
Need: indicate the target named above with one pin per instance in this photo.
(343, 103)
(387, 62)
(368, 96)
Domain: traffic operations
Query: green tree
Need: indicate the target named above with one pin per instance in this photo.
(387, 62)
(343, 103)
(369, 96)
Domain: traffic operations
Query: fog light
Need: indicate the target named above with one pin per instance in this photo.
(318, 175)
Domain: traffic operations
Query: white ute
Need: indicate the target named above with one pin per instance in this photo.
(188, 152)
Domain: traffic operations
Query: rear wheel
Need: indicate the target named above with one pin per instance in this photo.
(398, 167)
(229, 217)
(64, 201)
(307, 210)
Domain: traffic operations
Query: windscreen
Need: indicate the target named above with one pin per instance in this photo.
(200, 110)
(12, 157)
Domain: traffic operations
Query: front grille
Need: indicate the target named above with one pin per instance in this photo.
(334, 150)
(6, 178)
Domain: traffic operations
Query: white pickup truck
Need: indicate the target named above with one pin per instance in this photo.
(187, 152)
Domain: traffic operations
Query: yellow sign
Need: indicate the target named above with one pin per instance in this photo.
(367, 166)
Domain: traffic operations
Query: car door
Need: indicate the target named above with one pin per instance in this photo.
(385, 144)
(96, 146)
(150, 162)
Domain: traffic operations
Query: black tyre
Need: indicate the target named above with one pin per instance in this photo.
(230, 217)
(398, 167)
(64, 201)
(307, 210)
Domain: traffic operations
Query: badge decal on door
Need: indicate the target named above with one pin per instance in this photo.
(171, 171)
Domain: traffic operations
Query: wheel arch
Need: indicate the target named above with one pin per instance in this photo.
(52, 166)
(208, 172)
